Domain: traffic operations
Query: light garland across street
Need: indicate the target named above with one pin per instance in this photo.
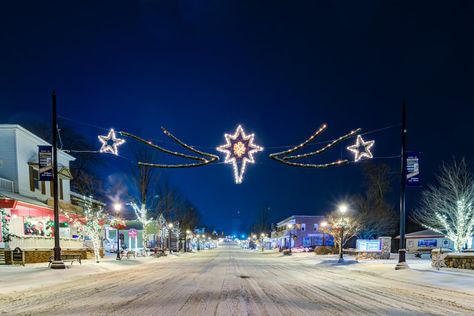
(283, 157)
(239, 150)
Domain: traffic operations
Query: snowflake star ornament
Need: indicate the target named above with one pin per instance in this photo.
(364, 145)
(239, 151)
(110, 143)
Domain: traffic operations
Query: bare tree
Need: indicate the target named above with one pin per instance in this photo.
(262, 221)
(336, 223)
(145, 178)
(375, 216)
(448, 206)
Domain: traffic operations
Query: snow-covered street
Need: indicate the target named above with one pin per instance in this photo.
(233, 281)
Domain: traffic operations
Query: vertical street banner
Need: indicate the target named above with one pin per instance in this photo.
(45, 163)
(413, 169)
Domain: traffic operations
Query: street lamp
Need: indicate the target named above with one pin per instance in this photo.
(323, 225)
(262, 236)
(290, 227)
(170, 226)
(117, 208)
(342, 209)
(186, 239)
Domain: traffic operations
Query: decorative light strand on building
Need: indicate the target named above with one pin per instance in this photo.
(281, 156)
(358, 154)
(239, 150)
(110, 143)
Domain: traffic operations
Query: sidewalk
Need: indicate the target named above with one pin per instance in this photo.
(35, 275)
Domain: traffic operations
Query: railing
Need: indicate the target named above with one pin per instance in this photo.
(35, 242)
(7, 185)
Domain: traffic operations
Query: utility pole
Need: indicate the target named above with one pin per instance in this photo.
(57, 262)
(402, 264)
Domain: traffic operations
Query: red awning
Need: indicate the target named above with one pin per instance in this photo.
(24, 209)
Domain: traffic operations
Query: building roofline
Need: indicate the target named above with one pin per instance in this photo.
(294, 216)
(35, 137)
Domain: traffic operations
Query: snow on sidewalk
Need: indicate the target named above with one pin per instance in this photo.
(31, 276)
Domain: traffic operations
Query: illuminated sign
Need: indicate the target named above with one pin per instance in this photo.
(369, 245)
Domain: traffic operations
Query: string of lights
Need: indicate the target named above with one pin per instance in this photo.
(320, 151)
(207, 159)
(280, 156)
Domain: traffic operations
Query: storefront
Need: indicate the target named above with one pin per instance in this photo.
(30, 224)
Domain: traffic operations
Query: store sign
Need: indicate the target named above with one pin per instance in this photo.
(413, 169)
(132, 233)
(429, 243)
(45, 162)
(18, 256)
(369, 245)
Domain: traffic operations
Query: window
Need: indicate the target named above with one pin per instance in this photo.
(61, 189)
(303, 227)
(34, 183)
(315, 227)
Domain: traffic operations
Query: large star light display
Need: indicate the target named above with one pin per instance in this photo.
(239, 151)
(361, 148)
(110, 143)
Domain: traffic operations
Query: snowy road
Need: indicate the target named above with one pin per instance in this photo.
(232, 281)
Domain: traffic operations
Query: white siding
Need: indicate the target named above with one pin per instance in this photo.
(8, 162)
(17, 148)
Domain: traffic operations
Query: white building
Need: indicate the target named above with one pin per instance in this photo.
(26, 204)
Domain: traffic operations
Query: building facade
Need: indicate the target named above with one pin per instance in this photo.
(26, 204)
(302, 231)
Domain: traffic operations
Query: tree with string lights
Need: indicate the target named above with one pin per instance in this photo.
(89, 224)
(448, 206)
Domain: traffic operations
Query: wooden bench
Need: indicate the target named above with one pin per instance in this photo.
(159, 253)
(68, 257)
(128, 254)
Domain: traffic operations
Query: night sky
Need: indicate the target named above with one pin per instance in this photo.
(281, 69)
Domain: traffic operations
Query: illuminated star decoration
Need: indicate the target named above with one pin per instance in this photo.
(239, 151)
(361, 148)
(110, 143)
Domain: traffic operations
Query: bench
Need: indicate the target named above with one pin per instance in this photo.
(128, 254)
(68, 257)
(422, 250)
(159, 253)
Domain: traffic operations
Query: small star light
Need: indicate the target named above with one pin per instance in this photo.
(239, 151)
(364, 145)
(110, 143)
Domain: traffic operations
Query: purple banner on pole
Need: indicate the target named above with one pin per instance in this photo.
(45, 163)
(413, 169)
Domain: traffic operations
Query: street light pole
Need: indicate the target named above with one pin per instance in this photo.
(342, 208)
(186, 240)
(402, 249)
(290, 227)
(57, 262)
(170, 226)
(117, 208)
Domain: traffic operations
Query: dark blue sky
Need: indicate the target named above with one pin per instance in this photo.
(281, 69)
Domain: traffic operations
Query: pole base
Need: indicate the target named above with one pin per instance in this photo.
(402, 266)
(58, 264)
(402, 263)
(341, 260)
